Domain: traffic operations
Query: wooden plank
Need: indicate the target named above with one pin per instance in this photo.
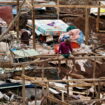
(58, 10)
(73, 101)
(39, 80)
(62, 6)
(18, 8)
(94, 70)
(86, 25)
(71, 6)
(55, 59)
(57, 101)
(33, 25)
(15, 3)
(98, 19)
(23, 88)
(101, 31)
(83, 85)
(97, 61)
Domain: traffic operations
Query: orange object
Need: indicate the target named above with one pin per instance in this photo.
(56, 48)
(75, 45)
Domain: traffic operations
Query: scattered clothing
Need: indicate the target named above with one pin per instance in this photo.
(64, 37)
(76, 35)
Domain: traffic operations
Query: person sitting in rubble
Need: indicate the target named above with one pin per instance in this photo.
(25, 36)
(65, 47)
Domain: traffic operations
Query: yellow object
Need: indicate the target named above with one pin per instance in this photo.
(102, 10)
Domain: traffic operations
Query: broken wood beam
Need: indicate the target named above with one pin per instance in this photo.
(71, 80)
(83, 85)
(86, 100)
(71, 6)
(57, 101)
(97, 61)
(56, 59)
(76, 76)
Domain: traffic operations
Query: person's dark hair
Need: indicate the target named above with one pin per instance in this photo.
(25, 38)
(32, 98)
(67, 41)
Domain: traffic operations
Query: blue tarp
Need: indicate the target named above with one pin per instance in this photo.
(14, 11)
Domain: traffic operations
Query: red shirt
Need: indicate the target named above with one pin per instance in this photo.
(65, 48)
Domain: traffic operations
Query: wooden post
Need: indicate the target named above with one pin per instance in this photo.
(35, 95)
(17, 27)
(42, 75)
(98, 19)
(23, 87)
(94, 70)
(42, 71)
(47, 90)
(58, 9)
(86, 25)
(98, 93)
(59, 69)
(67, 77)
(62, 96)
(74, 67)
(94, 75)
(33, 25)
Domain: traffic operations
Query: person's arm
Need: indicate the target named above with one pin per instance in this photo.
(60, 49)
(70, 48)
(60, 37)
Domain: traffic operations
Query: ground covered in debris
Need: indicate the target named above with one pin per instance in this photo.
(83, 68)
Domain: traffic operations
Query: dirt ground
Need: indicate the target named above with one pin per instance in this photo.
(79, 21)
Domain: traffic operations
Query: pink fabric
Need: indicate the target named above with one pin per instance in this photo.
(74, 34)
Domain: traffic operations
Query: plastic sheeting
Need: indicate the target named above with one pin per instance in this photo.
(6, 13)
(50, 27)
(76, 35)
